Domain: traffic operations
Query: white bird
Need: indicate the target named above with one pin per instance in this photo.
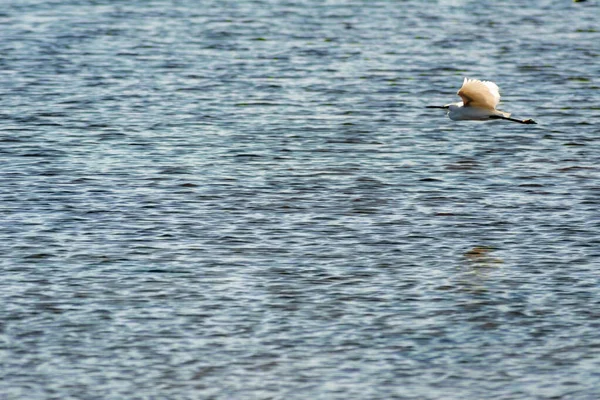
(479, 102)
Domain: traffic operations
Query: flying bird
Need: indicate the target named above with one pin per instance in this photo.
(479, 102)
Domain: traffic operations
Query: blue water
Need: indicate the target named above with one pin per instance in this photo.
(248, 200)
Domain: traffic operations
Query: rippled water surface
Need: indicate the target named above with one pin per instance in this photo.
(247, 200)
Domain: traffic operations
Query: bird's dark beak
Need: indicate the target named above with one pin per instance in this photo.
(443, 107)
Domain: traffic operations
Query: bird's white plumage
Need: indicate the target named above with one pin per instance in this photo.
(481, 94)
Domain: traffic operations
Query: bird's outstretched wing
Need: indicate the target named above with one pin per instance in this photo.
(476, 93)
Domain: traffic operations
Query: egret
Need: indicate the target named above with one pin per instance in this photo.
(479, 101)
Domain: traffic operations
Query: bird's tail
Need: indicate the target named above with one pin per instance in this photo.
(502, 114)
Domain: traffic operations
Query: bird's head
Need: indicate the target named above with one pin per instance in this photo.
(448, 107)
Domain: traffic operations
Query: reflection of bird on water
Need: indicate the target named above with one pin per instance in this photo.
(481, 256)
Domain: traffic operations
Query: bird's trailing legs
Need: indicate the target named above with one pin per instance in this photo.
(521, 121)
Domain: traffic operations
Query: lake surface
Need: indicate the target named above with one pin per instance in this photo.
(248, 200)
